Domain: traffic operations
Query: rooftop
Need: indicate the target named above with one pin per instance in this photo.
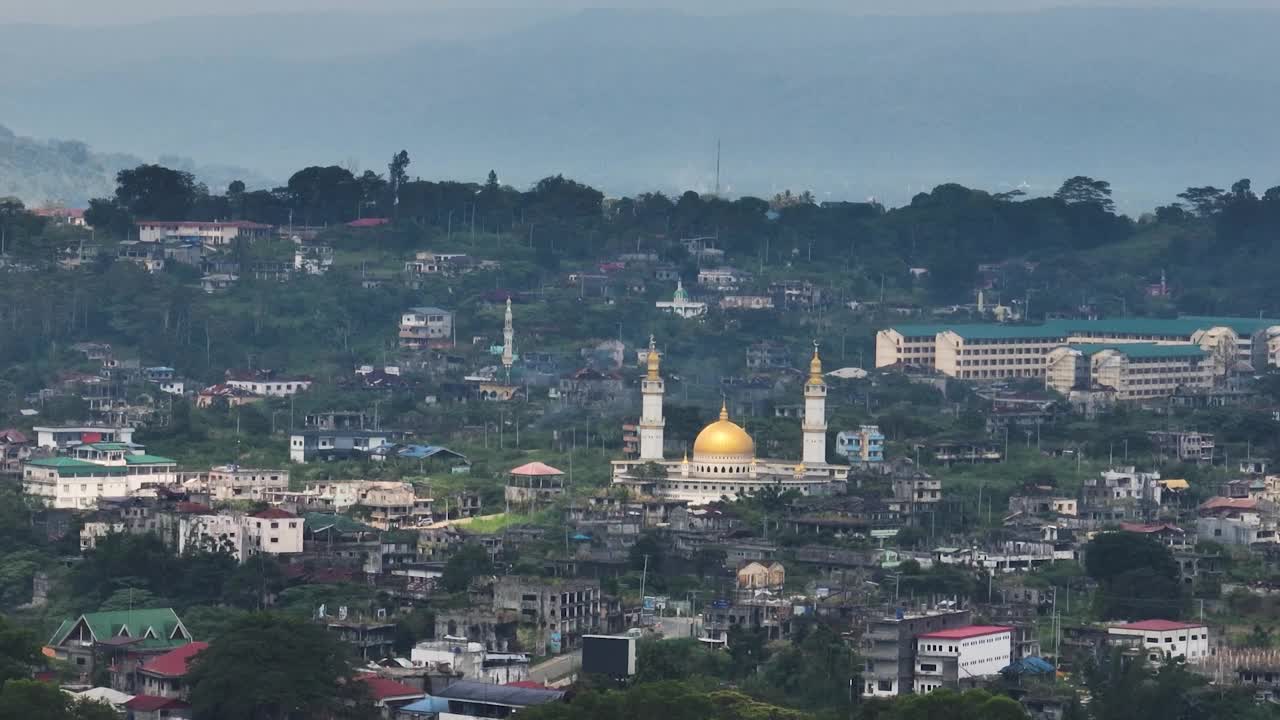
(174, 663)
(145, 459)
(274, 514)
(504, 695)
(966, 632)
(536, 469)
(382, 689)
(1157, 625)
(1143, 350)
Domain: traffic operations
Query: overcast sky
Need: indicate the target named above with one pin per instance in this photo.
(130, 11)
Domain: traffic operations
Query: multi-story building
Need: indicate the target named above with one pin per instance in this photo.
(426, 327)
(767, 354)
(1166, 639)
(746, 302)
(889, 648)
(426, 262)
(15, 448)
(1229, 341)
(1133, 371)
(265, 383)
(312, 259)
(272, 531)
(309, 445)
(210, 234)
(916, 492)
(864, 446)
(98, 470)
(722, 278)
(958, 657)
(1237, 521)
(62, 436)
(232, 482)
(1185, 446)
(560, 610)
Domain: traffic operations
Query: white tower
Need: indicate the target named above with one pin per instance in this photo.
(814, 425)
(651, 421)
(508, 341)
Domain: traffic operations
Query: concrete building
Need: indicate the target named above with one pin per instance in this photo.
(1134, 371)
(1237, 521)
(426, 327)
(864, 446)
(265, 383)
(62, 436)
(210, 234)
(889, 648)
(560, 610)
(533, 484)
(1165, 639)
(232, 482)
(272, 531)
(1185, 446)
(310, 445)
(471, 660)
(722, 278)
(1009, 350)
(99, 470)
(958, 657)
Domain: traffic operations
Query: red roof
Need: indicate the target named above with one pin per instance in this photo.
(368, 222)
(13, 435)
(1157, 625)
(151, 703)
(535, 469)
(191, 508)
(1223, 503)
(174, 662)
(381, 688)
(274, 514)
(966, 632)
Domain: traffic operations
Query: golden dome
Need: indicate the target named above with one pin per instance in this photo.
(723, 438)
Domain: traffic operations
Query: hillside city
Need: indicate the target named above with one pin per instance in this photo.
(372, 446)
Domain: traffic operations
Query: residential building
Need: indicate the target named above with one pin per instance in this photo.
(916, 492)
(1120, 494)
(152, 707)
(388, 504)
(225, 395)
(265, 383)
(389, 696)
(232, 482)
(767, 354)
(471, 660)
(210, 234)
(560, 610)
(756, 575)
(796, 293)
(958, 657)
(889, 648)
(147, 256)
(370, 640)
(99, 470)
(1237, 521)
(274, 531)
(680, 305)
(533, 484)
(864, 446)
(310, 445)
(1166, 639)
(313, 259)
(426, 327)
(1133, 371)
(218, 282)
(166, 675)
(722, 278)
(62, 436)
(426, 262)
(1043, 504)
(80, 641)
(1184, 446)
(746, 302)
(15, 448)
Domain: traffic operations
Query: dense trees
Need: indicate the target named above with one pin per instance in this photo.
(271, 667)
(1138, 577)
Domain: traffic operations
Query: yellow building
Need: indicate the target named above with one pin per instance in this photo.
(1134, 371)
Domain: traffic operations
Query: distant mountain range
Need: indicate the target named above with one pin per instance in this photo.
(849, 107)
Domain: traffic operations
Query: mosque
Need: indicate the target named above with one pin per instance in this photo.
(724, 462)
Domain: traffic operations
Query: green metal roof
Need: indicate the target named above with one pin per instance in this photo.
(71, 467)
(1143, 350)
(148, 460)
(315, 522)
(1011, 332)
(107, 446)
(1242, 326)
(161, 622)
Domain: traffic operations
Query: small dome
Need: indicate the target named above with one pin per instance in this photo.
(723, 438)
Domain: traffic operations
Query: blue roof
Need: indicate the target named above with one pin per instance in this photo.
(422, 452)
(427, 706)
(1029, 666)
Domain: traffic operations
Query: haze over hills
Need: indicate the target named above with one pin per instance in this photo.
(848, 106)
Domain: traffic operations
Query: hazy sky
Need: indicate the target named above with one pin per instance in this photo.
(131, 11)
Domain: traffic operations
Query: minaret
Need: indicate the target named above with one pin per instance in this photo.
(508, 342)
(814, 425)
(651, 421)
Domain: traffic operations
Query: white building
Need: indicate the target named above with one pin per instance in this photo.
(98, 470)
(1165, 639)
(471, 659)
(272, 531)
(232, 482)
(426, 327)
(61, 436)
(724, 462)
(680, 305)
(950, 658)
(210, 234)
(722, 278)
(266, 384)
(313, 259)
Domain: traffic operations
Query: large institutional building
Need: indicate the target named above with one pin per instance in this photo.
(724, 462)
(993, 352)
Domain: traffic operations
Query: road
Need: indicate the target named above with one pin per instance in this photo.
(556, 668)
